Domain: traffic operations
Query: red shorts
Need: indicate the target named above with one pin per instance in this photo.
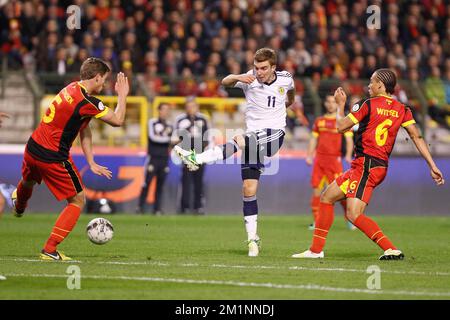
(325, 170)
(364, 175)
(61, 178)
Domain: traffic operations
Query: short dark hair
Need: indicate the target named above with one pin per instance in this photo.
(388, 77)
(93, 66)
(266, 54)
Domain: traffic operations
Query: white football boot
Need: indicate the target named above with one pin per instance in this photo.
(188, 158)
(309, 254)
(254, 246)
(391, 254)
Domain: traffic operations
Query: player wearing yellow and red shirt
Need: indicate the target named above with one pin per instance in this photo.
(379, 118)
(325, 153)
(47, 155)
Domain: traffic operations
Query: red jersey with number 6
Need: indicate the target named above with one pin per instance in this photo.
(379, 120)
(68, 114)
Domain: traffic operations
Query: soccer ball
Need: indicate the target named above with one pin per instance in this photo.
(100, 230)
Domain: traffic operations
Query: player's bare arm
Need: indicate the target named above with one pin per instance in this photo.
(343, 123)
(232, 79)
(290, 98)
(116, 118)
(416, 137)
(86, 146)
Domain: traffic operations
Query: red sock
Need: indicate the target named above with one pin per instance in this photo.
(373, 231)
(65, 223)
(323, 224)
(315, 201)
(23, 195)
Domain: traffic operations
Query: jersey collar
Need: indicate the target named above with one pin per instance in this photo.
(81, 85)
(275, 79)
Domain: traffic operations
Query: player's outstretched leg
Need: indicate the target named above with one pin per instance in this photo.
(350, 225)
(62, 228)
(355, 213)
(189, 158)
(193, 160)
(20, 197)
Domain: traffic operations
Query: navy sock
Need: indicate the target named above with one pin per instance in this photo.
(250, 206)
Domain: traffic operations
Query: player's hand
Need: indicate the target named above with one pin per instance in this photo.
(122, 87)
(298, 110)
(340, 97)
(101, 171)
(309, 160)
(3, 115)
(246, 78)
(437, 176)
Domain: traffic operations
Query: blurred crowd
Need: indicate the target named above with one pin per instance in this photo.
(199, 39)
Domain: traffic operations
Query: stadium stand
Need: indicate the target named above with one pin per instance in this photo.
(184, 47)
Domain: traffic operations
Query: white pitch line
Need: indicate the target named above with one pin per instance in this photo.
(156, 263)
(37, 260)
(437, 273)
(134, 263)
(245, 284)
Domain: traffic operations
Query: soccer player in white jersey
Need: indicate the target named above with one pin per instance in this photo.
(268, 93)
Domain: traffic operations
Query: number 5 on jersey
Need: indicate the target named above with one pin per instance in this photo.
(47, 118)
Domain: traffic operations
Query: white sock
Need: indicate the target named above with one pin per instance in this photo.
(251, 225)
(210, 155)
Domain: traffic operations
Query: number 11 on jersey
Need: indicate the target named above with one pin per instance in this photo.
(269, 98)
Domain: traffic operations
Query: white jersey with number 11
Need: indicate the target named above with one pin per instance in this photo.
(266, 102)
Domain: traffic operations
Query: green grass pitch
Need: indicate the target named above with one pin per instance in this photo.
(204, 257)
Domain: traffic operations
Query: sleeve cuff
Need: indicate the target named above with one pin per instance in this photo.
(315, 134)
(353, 118)
(348, 134)
(101, 114)
(407, 123)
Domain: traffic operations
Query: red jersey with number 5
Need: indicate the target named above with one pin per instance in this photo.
(68, 114)
(379, 120)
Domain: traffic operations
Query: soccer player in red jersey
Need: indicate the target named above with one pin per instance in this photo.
(47, 154)
(379, 118)
(326, 144)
